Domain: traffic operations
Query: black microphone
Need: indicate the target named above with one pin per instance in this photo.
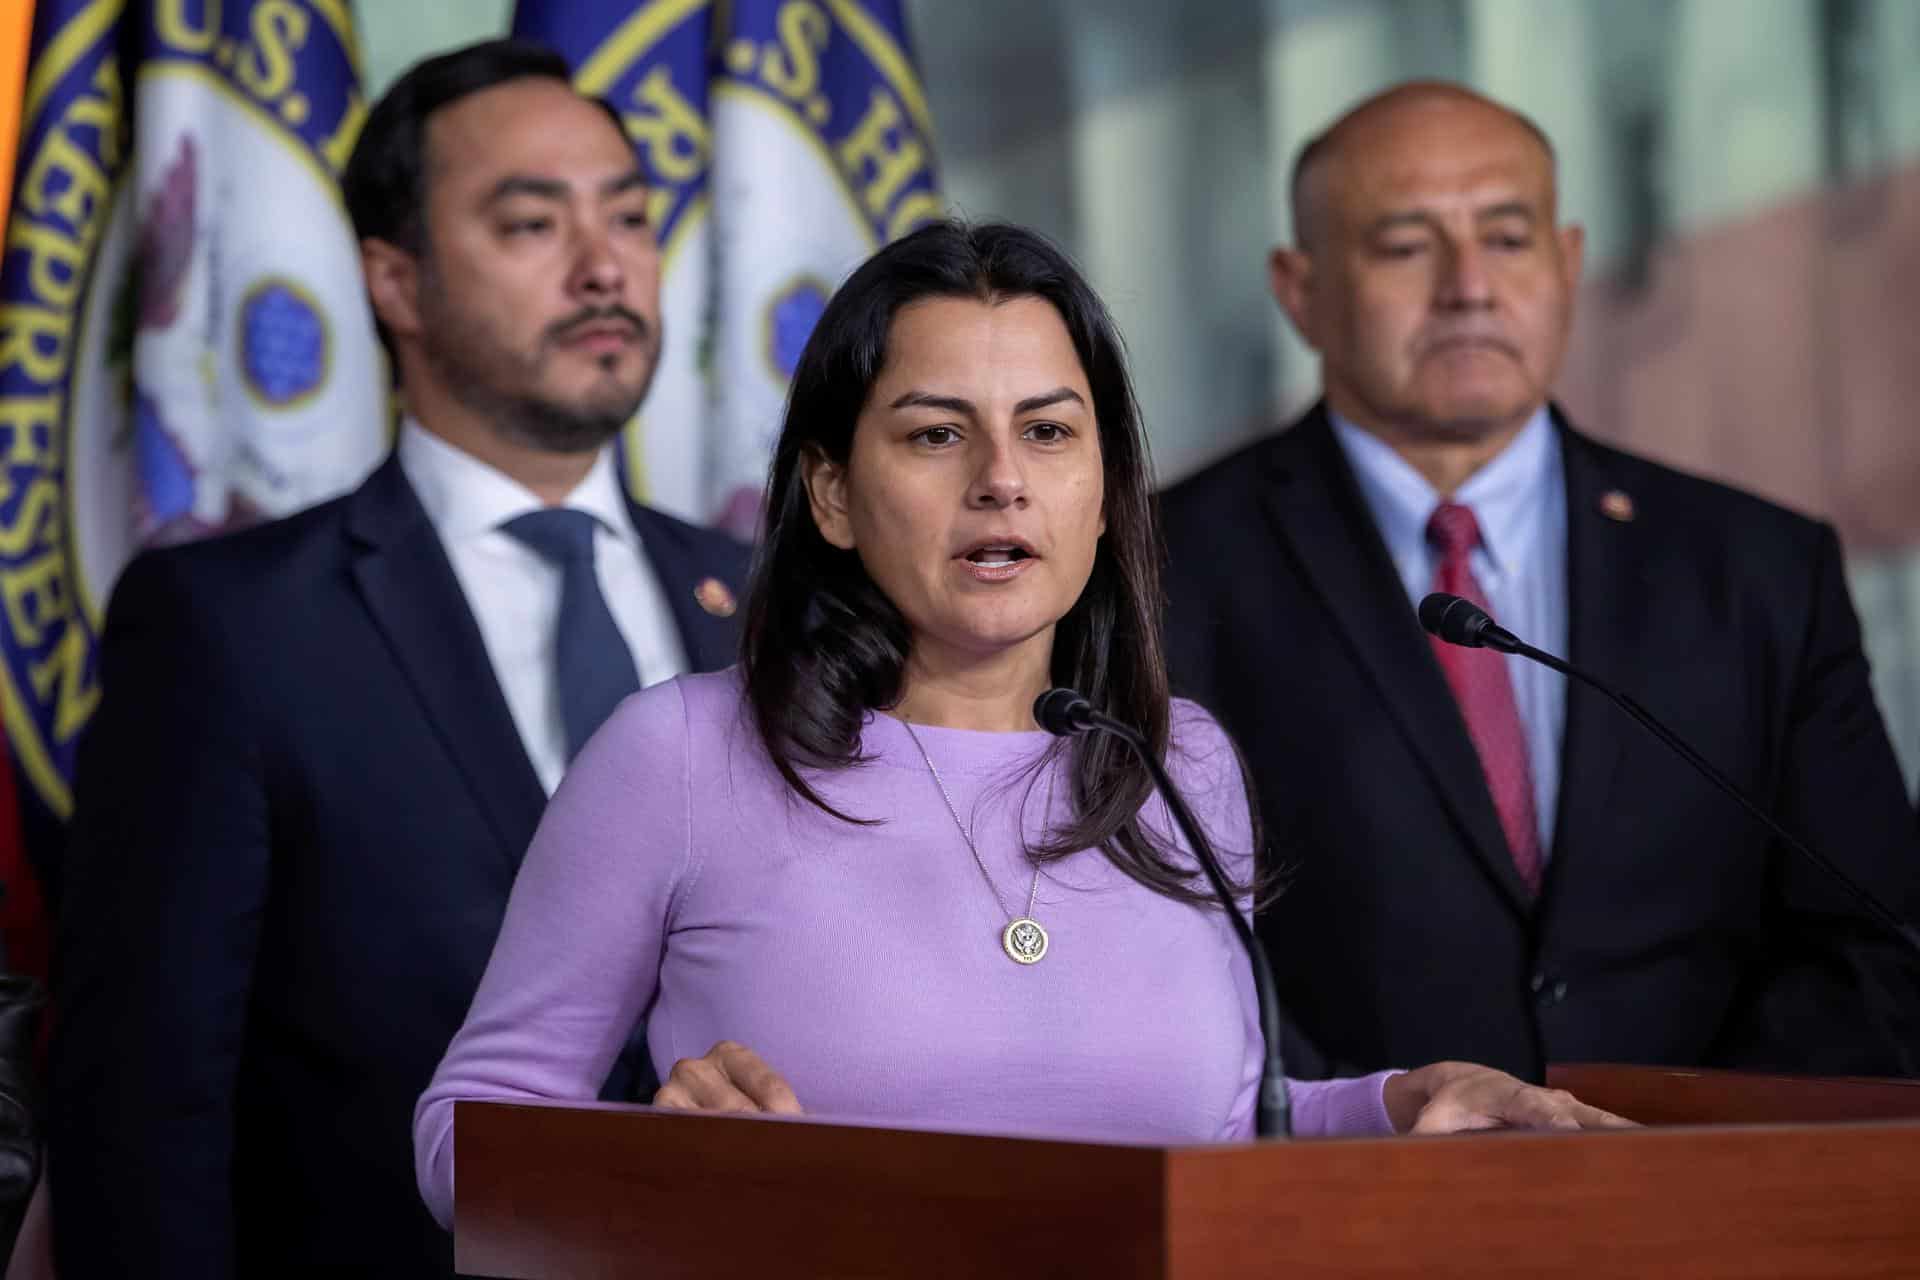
(1462, 622)
(1064, 713)
(1458, 620)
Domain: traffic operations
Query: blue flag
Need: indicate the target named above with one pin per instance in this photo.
(184, 343)
(787, 140)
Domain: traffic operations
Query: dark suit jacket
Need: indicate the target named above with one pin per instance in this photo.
(1670, 928)
(300, 809)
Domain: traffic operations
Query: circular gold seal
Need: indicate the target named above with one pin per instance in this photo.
(1024, 941)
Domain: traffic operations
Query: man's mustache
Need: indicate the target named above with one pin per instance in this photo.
(1438, 339)
(561, 330)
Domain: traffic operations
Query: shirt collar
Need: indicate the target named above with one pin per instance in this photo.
(1503, 493)
(465, 497)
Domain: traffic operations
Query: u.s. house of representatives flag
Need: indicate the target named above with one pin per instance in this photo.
(184, 344)
(787, 140)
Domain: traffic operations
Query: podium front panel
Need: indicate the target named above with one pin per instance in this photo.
(601, 1190)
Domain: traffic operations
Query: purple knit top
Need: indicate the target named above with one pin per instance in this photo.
(675, 876)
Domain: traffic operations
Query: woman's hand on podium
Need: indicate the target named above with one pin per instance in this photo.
(1448, 1097)
(731, 1077)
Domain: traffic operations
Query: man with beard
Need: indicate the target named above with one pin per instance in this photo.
(1486, 864)
(324, 743)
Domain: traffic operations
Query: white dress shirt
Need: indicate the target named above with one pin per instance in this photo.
(514, 592)
(1520, 501)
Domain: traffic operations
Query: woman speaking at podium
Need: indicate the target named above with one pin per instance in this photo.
(851, 875)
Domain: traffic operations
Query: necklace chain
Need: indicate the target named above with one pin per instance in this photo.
(1023, 940)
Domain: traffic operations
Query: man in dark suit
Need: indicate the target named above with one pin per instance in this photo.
(324, 743)
(1486, 864)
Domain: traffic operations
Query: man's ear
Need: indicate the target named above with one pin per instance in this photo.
(826, 483)
(1290, 276)
(393, 284)
(1573, 253)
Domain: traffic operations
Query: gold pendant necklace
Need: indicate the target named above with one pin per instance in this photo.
(1024, 939)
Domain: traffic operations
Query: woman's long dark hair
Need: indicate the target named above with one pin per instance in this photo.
(823, 644)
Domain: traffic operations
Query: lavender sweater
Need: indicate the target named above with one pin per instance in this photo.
(675, 876)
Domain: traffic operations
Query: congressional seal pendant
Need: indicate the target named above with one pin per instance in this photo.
(1024, 941)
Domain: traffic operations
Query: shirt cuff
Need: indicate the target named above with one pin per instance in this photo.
(1351, 1108)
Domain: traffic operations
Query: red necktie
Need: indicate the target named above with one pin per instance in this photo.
(1485, 694)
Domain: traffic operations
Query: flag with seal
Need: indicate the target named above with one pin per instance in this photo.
(184, 343)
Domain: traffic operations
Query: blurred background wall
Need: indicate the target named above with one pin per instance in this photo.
(1748, 172)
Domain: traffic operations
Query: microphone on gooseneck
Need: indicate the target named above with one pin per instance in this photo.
(1458, 620)
(1462, 622)
(1065, 713)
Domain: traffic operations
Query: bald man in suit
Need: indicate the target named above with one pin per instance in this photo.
(1485, 863)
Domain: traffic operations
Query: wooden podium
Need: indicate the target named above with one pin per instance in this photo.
(1736, 1175)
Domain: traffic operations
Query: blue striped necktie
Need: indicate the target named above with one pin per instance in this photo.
(593, 667)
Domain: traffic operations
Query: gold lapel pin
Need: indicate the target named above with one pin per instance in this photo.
(1617, 504)
(715, 598)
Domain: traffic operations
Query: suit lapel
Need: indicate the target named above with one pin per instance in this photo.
(1606, 585)
(703, 606)
(409, 588)
(1316, 507)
